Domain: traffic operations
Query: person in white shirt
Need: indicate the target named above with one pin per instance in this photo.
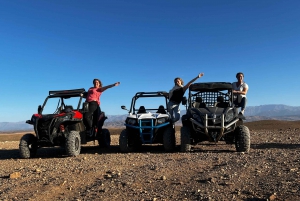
(240, 89)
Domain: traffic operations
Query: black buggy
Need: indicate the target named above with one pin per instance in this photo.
(62, 126)
(211, 116)
(147, 123)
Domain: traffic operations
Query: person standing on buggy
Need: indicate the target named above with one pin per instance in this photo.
(240, 89)
(93, 98)
(176, 94)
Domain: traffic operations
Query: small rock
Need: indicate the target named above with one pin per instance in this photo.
(272, 197)
(107, 176)
(38, 170)
(212, 180)
(163, 177)
(15, 175)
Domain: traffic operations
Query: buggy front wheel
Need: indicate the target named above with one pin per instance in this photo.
(242, 139)
(185, 137)
(28, 146)
(73, 143)
(104, 138)
(126, 144)
(169, 139)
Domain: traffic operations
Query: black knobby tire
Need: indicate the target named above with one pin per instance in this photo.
(185, 137)
(242, 139)
(124, 142)
(28, 146)
(104, 138)
(169, 139)
(73, 143)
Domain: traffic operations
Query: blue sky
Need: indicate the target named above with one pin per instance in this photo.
(57, 45)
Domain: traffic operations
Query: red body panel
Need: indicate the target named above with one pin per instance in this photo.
(77, 114)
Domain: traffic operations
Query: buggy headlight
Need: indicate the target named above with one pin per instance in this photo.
(67, 117)
(131, 121)
(229, 116)
(161, 120)
(197, 117)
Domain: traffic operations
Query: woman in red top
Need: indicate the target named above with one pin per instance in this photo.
(93, 98)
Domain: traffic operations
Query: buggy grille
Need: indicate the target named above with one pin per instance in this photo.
(146, 130)
(43, 127)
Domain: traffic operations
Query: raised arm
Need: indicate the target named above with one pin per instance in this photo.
(109, 86)
(190, 82)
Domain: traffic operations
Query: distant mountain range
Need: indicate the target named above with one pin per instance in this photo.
(253, 113)
(273, 110)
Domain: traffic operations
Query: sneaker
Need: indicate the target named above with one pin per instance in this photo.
(241, 115)
(242, 112)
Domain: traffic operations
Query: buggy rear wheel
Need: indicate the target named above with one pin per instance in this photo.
(242, 139)
(185, 136)
(169, 140)
(104, 138)
(73, 143)
(28, 146)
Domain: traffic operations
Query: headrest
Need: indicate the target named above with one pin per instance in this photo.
(199, 99)
(220, 99)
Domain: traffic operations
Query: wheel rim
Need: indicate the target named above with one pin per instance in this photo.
(77, 144)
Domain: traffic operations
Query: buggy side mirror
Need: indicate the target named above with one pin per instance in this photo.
(123, 107)
(40, 110)
(184, 100)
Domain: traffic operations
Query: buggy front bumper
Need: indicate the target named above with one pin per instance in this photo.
(221, 127)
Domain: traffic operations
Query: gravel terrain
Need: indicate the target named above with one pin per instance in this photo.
(270, 171)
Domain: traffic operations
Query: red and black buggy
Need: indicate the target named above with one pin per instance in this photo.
(63, 126)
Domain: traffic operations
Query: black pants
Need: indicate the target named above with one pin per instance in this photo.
(91, 117)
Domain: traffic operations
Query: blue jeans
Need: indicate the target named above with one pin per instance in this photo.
(241, 104)
(174, 111)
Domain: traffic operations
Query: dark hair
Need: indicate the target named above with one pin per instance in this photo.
(94, 80)
(239, 73)
(179, 79)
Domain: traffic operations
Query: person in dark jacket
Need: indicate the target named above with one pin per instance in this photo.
(175, 96)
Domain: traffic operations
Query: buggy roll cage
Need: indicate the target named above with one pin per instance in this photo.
(64, 94)
(144, 95)
(209, 91)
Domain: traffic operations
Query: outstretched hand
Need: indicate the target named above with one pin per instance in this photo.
(200, 75)
(190, 82)
(117, 83)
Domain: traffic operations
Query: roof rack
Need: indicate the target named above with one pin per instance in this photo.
(150, 94)
(66, 92)
(211, 86)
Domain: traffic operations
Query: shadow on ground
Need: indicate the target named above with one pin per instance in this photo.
(59, 152)
(275, 146)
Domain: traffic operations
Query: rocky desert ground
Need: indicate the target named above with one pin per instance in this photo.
(270, 171)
